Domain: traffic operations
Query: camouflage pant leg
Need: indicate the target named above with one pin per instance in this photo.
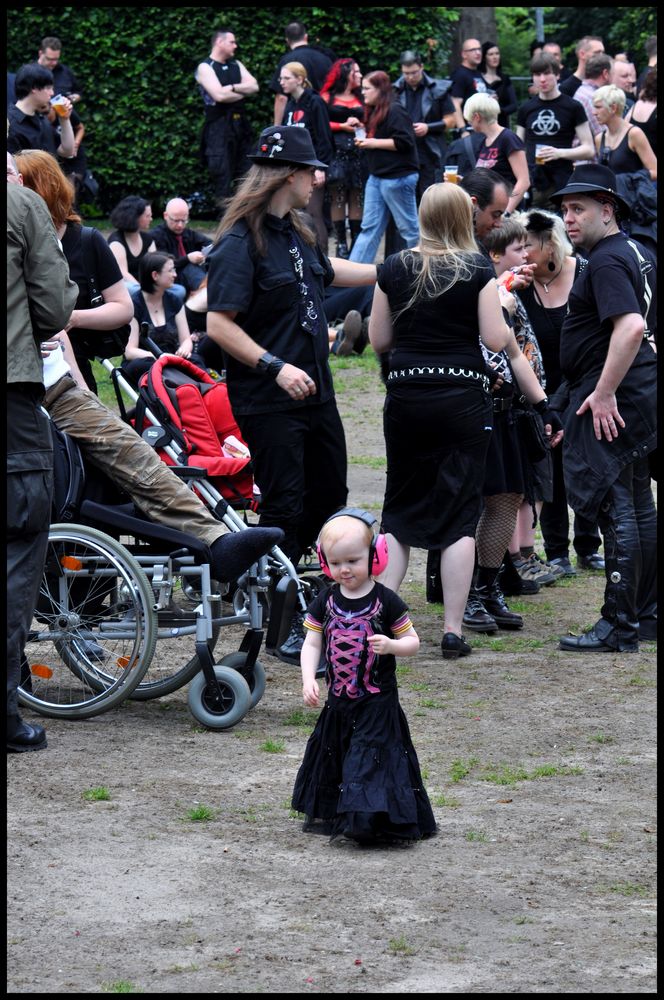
(115, 448)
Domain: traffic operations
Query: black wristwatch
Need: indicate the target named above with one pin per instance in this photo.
(270, 365)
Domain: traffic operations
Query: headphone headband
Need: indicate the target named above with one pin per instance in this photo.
(377, 548)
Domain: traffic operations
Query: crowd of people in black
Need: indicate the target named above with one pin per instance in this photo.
(513, 312)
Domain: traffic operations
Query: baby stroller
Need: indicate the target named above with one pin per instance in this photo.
(184, 414)
(105, 607)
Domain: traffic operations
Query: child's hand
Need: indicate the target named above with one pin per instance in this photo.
(380, 644)
(310, 693)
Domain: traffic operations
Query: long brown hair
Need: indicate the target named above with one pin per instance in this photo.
(377, 113)
(42, 173)
(251, 200)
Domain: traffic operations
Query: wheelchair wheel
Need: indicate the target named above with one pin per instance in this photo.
(256, 680)
(235, 699)
(163, 675)
(93, 632)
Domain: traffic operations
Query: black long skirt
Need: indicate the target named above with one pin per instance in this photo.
(360, 776)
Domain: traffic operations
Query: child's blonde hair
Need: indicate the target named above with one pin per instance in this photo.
(338, 528)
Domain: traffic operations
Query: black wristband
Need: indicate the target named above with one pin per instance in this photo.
(269, 364)
(541, 406)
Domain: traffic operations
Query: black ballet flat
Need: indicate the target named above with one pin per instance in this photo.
(453, 646)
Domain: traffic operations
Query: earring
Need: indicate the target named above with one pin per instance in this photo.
(551, 266)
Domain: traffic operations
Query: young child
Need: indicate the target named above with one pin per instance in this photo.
(360, 778)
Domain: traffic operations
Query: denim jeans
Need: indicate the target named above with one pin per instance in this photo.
(383, 195)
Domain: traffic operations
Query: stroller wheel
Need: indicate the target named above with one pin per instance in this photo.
(235, 699)
(254, 678)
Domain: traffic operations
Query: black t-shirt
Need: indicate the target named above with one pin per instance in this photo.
(352, 670)
(443, 330)
(166, 335)
(102, 265)
(272, 304)
(310, 112)
(316, 63)
(547, 324)
(466, 82)
(550, 123)
(570, 85)
(227, 73)
(30, 132)
(496, 156)
(613, 284)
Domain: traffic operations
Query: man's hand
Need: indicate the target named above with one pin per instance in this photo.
(606, 418)
(295, 382)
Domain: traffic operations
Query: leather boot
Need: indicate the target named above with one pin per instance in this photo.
(22, 738)
(355, 226)
(476, 617)
(343, 249)
(511, 583)
(492, 598)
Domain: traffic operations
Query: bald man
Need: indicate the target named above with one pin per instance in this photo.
(187, 246)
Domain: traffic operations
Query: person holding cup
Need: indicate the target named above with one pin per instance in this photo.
(501, 151)
(29, 128)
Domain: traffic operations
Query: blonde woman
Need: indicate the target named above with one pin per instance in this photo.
(623, 146)
(502, 151)
(437, 379)
(306, 109)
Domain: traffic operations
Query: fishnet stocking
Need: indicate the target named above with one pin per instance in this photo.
(496, 527)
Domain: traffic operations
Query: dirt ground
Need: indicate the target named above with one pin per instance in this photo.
(540, 766)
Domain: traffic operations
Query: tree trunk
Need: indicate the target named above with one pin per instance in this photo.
(474, 22)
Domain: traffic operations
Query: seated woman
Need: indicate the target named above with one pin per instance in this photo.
(130, 241)
(157, 305)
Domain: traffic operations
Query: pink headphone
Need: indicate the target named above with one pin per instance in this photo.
(377, 549)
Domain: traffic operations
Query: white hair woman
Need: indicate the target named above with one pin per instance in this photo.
(502, 150)
(623, 146)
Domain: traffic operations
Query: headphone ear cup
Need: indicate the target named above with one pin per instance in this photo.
(323, 561)
(379, 555)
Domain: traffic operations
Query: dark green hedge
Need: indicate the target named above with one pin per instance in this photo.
(142, 109)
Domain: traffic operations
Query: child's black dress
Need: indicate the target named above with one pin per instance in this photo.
(360, 776)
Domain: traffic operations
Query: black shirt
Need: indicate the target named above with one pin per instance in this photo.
(30, 132)
(266, 293)
(316, 63)
(310, 112)
(496, 156)
(550, 123)
(394, 163)
(227, 73)
(610, 286)
(166, 241)
(466, 82)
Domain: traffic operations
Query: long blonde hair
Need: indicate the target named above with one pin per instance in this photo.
(446, 242)
(251, 200)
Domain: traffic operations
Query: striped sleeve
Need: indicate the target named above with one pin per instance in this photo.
(311, 623)
(401, 626)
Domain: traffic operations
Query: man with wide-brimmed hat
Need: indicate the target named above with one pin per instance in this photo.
(608, 358)
(266, 309)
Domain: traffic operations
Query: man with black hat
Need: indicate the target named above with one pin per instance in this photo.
(266, 310)
(608, 360)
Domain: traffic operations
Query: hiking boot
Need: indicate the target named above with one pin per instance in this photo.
(532, 570)
(291, 647)
(555, 568)
(564, 563)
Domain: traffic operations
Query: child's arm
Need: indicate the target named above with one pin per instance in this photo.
(406, 645)
(309, 660)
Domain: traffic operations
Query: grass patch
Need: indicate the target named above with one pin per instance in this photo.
(508, 774)
(601, 738)
(444, 802)
(372, 461)
(432, 703)
(476, 836)
(301, 718)
(399, 946)
(100, 794)
(460, 769)
(629, 889)
(120, 986)
(200, 814)
(273, 746)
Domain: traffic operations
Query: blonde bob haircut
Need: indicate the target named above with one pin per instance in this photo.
(298, 70)
(446, 245)
(343, 527)
(483, 105)
(610, 97)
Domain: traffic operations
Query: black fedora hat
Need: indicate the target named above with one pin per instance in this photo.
(594, 178)
(286, 144)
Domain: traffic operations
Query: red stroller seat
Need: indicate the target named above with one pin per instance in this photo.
(193, 410)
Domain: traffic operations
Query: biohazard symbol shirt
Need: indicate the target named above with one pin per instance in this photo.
(550, 123)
